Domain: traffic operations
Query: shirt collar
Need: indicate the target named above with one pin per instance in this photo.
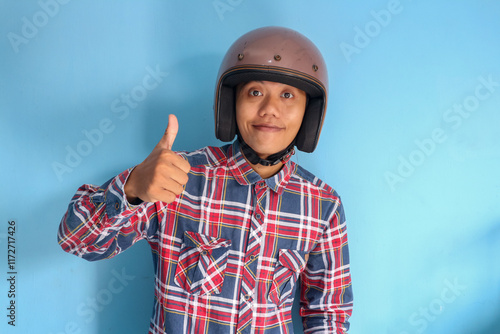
(245, 175)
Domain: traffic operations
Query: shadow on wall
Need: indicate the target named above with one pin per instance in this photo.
(493, 328)
(298, 327)
(491, 241)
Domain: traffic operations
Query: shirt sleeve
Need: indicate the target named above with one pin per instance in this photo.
(100, 223)
(326, 293)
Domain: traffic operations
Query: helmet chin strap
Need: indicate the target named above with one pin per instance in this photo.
(271, 160)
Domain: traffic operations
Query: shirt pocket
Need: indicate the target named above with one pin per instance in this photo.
(290, 264)
(202, 263)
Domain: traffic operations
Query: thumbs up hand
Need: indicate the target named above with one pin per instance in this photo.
(163, 174)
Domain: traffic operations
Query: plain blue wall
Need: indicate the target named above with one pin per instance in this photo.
(411, 142)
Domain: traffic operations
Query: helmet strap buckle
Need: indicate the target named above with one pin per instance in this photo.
(272, 160)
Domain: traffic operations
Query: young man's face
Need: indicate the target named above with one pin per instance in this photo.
(269, 115)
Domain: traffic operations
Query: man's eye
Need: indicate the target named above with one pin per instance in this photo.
(287, 95)
(255, 93)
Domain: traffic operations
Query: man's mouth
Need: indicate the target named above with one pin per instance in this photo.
(267, 127)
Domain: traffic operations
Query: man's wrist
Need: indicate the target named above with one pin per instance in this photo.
(129, 190)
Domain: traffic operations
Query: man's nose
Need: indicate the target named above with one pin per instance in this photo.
(270, 106)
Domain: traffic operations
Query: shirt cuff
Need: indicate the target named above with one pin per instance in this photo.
(115, 197)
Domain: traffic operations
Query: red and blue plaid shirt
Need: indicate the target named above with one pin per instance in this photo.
(228, 252)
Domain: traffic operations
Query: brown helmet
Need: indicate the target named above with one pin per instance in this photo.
(273, 54)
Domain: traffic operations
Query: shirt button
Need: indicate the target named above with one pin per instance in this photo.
(247, 297)
(117, 206)
(258, 216)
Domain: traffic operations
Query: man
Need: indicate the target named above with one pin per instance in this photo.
(232, 228)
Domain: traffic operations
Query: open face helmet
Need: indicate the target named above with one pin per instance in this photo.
(273, 54)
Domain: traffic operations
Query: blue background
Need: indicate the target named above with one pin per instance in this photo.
(418, 179)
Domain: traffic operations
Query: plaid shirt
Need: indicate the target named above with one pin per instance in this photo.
(228, 252)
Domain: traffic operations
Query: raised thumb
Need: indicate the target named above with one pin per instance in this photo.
(170, 133)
